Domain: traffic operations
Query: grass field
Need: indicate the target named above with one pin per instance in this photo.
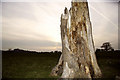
(28, 65)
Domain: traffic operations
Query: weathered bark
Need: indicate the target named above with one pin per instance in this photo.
(78, 54)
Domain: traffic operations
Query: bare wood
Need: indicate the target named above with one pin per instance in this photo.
(78, 54)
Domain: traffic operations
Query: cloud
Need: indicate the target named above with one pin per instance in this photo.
(104, 18)
(31, 44)
(57, 0)
(36, 25)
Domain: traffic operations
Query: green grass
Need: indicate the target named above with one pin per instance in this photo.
(109, 67)
(28, 65)
(40, 65)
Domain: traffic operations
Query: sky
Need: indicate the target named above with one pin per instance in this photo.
(35, 25)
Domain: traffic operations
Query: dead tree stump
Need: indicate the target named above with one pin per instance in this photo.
(78, 58)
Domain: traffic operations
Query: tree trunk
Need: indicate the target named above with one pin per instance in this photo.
(78, 54)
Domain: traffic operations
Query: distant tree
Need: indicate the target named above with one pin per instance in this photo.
(97, 50)
(107, 46)
(9, 49)
(55, 51)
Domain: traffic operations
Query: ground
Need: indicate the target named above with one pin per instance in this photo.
(33, 65)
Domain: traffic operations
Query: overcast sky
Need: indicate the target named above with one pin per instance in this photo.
(36, 25)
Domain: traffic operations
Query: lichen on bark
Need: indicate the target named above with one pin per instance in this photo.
(78, 54)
